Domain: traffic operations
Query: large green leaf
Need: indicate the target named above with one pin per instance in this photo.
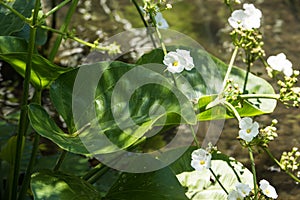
(10, 22)
(204, 81)
(13, 50)
(158, 185)
(57, 185)
(44, 125)
(120, 127)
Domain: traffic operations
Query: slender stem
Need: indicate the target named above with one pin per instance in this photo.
(98, 174)
(23, 115)
(15, 12)
(232, 108)
(92, 172)
(63, 34)
(144, 22)
(253, 172)
(246, 77)
(26, 180)
(63, 28)
(264, 96)
(30, 166)
(234, 54)
(280, 165)
(60, 160)
(56, 8)
(195, 136)
(217, 178)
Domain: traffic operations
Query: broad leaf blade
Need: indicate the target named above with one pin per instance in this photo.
(43, 71)
(158, 185)
(46, 127)
(57, 185)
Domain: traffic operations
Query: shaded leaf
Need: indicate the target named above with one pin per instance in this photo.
(158, 185)
(57, 185)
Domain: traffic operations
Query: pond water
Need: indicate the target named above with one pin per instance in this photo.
(206, 22)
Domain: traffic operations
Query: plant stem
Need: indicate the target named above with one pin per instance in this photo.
(60, 160)
(246, 77)
(217, 179)
(23, 115)
(15, 12)
(26, 180)
(98, 174)
(63, 29)
(56, 8)
(92, 172)
(195, 136)
(232, 108)
(264, 96)
(280, 165)
(253, 172)
(63, 34)
(232, 59)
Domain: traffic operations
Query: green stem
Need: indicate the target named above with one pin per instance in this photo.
(195, 136)
(63, 29)
(66, 35)
(280, 165)
(15, 12)
(60, 160)
(23, 115)
(92, 172)
(246, 77)
(232, 108)
(56, 8)
(264, 96)
(144, 22)
(253, 172)
(232, 59)
(98, 174)
(217, 179)
(26, 180)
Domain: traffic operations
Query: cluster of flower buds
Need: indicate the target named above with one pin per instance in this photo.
(269, 133)
(290, 160)
(290, 95)
(232, 93)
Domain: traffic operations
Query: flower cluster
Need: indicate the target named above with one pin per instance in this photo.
(232, 93)
(242, 190)
(267, 189)
(290, 160)
(246, 19)
(177, 61)
(268, 133)
(201, 159)
(290, 95)
(152, 10)
(248, 129)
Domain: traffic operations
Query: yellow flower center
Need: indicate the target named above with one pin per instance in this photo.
(202, 162)
(248, 130)
(175, 63)
(267, 191)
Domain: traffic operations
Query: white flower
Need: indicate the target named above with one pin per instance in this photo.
(160, 21)
(234, 195)
(248, 129)
(201, 159)
(187, 56)
(248, 18)
(280, 63)
(175, 62)
(268, 189)
(243, 189)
